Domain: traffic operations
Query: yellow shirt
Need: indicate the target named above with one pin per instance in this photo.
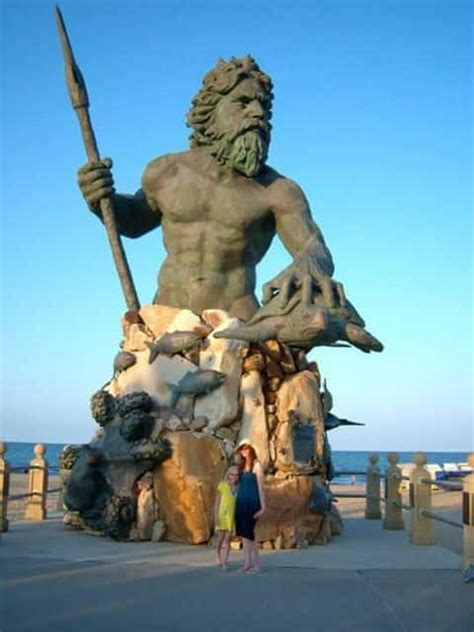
(226, 512)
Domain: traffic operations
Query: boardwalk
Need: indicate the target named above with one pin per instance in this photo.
(367, 579)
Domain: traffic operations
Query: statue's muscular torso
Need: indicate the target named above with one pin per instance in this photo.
(217, 225)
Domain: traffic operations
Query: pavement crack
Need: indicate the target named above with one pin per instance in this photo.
(383, 601)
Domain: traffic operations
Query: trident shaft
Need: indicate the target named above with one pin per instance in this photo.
(80, 102)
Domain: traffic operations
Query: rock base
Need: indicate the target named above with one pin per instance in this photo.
(179, 402)
(288, 521)
(185, 486)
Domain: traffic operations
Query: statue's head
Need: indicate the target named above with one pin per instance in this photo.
(230, 115)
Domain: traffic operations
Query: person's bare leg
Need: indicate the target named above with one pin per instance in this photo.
(255, 556)
(246, 549)
(225, 549)
(219, 540)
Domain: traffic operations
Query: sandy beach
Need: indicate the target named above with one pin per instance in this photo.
(447, 504)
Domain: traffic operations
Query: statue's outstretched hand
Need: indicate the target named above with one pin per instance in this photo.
(304, 274)
(313, 309)
(96, 182)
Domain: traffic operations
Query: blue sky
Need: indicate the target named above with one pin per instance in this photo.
(372, 117)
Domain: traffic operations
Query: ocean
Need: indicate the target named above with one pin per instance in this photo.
(19, 454)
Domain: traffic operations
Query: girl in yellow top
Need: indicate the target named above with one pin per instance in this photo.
(224, 514)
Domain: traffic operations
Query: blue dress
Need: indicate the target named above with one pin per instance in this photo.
(247, 504)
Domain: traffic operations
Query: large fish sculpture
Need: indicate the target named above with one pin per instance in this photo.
(305, 324)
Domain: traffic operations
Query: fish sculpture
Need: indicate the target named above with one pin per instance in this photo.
(123, 361)
(196, 383)
(305, 324)
(331, 422)
(172, 343)
(200, 382)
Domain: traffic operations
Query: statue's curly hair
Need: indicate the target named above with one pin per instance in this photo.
(218, 82)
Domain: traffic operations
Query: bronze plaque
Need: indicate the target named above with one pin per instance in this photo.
(304, 437)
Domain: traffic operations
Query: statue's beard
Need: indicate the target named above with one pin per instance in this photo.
(246, 152)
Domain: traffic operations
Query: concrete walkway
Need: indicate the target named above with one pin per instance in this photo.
(368, 579)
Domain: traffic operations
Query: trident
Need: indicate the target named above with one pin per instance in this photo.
(80, 102)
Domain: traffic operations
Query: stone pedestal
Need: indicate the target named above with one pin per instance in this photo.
(179, 401)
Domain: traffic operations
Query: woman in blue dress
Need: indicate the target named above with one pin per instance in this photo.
(250, 505)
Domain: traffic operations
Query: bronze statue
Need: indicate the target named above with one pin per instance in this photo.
(220, 205)
(175, 386)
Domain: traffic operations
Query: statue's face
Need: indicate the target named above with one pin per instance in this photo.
(245, 108)
(241, 119)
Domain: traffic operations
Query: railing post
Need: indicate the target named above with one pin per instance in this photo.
(421, 531)
(37, 485)
(372, 507)
(468, 517)
(393, 520)
(4, 488)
